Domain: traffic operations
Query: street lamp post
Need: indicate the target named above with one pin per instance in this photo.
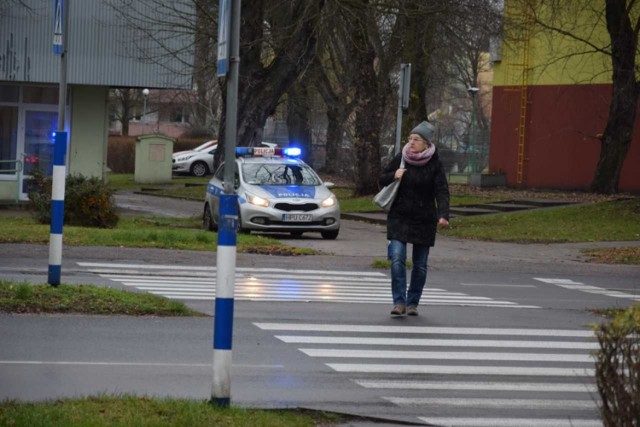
(145, 95)
(474, 119)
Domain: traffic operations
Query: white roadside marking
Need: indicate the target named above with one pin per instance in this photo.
(117, 266)
(494, 403)
(306, 296)
(498, 285)
(460, 370)
(423, 330)
(436, 342)
(479, 386)
(590, 289)
(269, 284)
(510, 422)
(444, 355)
(79, 363)
(163, 290)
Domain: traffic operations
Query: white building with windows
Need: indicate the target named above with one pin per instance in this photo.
(102, 53)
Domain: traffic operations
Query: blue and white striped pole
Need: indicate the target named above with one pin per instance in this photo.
(57, 208)
(223, 325)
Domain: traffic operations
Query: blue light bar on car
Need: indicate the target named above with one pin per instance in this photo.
(292, 152)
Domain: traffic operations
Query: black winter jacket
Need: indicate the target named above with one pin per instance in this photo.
(414, 215)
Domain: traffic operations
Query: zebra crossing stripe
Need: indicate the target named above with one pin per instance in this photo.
(271, 284)
(460, 370)
(315, 327)
(436, 342)
(117, 267)
(478, 386)
(494, 403)
(446, 355)
(294, 290)
(510, 422)
(579, 286)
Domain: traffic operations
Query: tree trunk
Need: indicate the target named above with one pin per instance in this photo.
(298, 119)
(369, 116)
(202, 67)
(335, 125)
(617, 136)
(260, 88)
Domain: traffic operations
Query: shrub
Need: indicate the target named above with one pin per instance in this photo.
(88, 201)
(618, 368)
(121, 154)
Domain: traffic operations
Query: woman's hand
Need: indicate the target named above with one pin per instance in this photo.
(443, 222)
(399, 173)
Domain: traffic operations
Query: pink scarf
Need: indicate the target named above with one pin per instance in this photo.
(418, 159)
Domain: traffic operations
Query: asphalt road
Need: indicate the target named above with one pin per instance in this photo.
(503, 337)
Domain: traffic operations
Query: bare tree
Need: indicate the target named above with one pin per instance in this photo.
(124, 105)
(299, 118)
(277, 43)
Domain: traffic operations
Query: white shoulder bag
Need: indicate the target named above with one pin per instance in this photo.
(387, 195)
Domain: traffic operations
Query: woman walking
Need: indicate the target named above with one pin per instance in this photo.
(422, 203)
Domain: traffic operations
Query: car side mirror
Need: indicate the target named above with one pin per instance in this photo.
(329, 184)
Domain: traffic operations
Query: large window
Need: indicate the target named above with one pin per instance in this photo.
(28, 117)
(8, 139)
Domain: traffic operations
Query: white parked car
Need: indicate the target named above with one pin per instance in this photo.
(276, 193)
(197, 162)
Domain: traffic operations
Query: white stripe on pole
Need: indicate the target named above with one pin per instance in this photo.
(222, 360)
(55, 249)
(226, 277)
(58, 181)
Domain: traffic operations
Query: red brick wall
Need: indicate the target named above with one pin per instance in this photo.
(561, 145)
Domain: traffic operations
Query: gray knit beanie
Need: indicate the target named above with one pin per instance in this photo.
(425, 130)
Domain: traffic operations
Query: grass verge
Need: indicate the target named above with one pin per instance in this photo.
(142, 232)
(143, 411)
(622, 255)
(85, 299)
(617, 220)
(386, 264)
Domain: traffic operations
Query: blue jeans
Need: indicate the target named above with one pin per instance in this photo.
(398, 254)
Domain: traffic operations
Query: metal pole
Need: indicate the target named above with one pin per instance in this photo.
(228, 222)
(59, 168)
(396, 149)
(404, 87)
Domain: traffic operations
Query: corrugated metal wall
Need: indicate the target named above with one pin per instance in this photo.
(104, 47)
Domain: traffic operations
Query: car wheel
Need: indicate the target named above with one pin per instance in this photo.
(296, 234)
(330, 234)
(207, 219)
(240, 229)
(199, 169)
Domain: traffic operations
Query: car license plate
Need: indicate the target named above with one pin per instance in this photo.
(297, 217)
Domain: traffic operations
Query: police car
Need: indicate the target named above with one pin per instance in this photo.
(277, 192)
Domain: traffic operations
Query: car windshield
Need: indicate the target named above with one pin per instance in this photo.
(208, 144)
(279, 174)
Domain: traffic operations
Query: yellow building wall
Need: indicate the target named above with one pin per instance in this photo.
(551, 58)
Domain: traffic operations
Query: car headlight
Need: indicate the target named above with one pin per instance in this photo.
(328, 202)
(256, 200)
(184, 158)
